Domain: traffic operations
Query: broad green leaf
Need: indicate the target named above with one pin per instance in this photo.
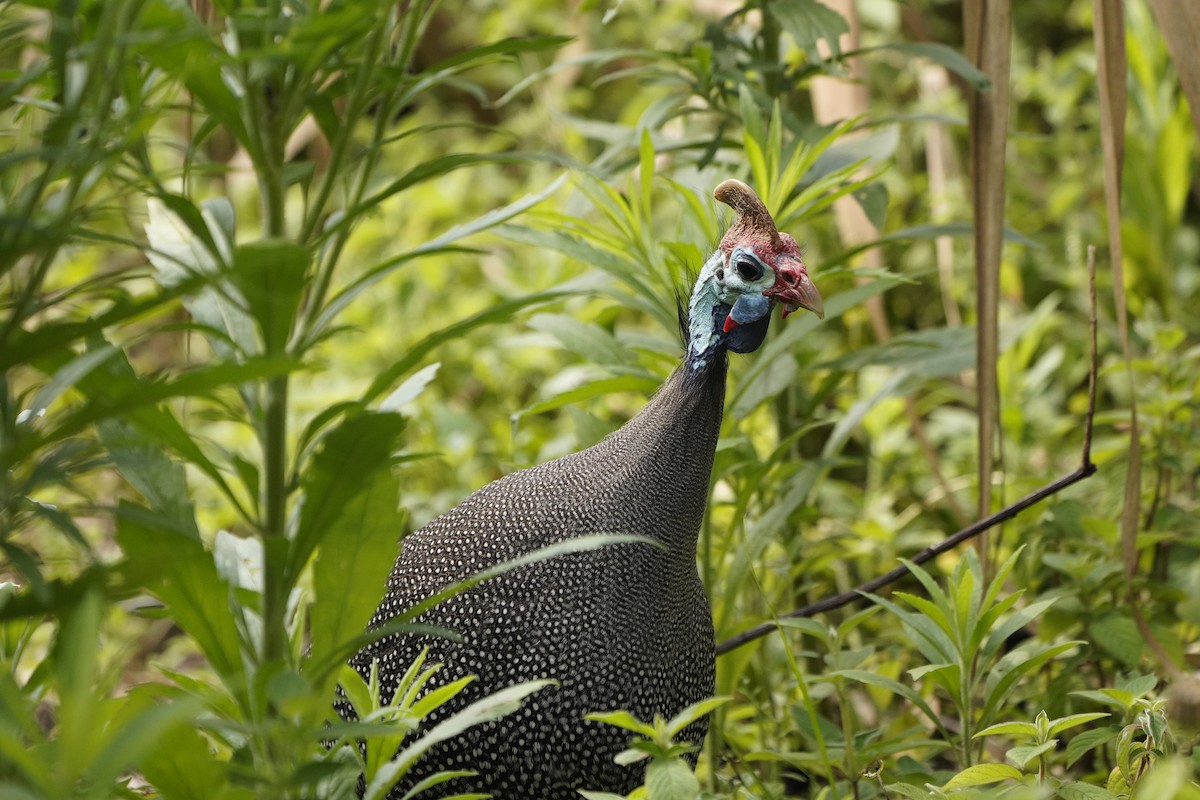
(352, 566)
(271, 278)
(182, 574)
(1119, 699)
(646, 172)
(1118, 634)
(135, 397)
(929, 638)
(1138, 685)
(341, 470)
(807, 22)
(67, 376)
(1020, 757)
(141, 461)
(1087, 741)
(1173, 778)
(438, 779)
(187, 243)
(932, 612)
(671, 779)
(136, 737)
(1077, 790)
(982, 774)
(1075, 720)
(428, 170)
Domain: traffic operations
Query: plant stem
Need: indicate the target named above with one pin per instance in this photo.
(274, 520)
(269, 167)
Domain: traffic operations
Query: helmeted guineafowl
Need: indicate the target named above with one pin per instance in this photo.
(625, 626)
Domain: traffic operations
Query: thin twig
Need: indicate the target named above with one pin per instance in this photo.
(1086, 469)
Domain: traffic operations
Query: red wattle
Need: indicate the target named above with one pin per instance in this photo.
(730, 324)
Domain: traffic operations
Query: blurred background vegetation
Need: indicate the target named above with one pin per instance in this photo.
(236, 236)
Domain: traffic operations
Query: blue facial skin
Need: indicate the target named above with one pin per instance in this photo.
(750, 308)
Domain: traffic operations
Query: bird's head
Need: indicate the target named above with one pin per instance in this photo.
(754, 269)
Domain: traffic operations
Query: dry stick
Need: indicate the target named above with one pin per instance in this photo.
(1086, 469)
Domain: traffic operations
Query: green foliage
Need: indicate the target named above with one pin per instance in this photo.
(668, 777)
(258, 261)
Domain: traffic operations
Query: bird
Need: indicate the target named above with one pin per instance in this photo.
(619, 627)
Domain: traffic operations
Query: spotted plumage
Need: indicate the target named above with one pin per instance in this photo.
(626, 626)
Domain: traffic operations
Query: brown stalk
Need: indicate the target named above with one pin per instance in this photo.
(1085, 469)
(1179, 21)
(988, 29)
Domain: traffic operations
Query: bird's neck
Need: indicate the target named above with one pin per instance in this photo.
(668, 451)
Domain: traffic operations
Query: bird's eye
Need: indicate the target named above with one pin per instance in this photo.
(748, 268)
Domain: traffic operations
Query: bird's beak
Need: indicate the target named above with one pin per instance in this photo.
(793, 289)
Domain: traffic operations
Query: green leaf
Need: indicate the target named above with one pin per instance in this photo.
(183, 575)
(497, 313)
(136, 736)
(1014, 623)
(1138, 685)
(141, 461)
(873, 198)
(622, 719)
(1087, 741)
(271, 278)
(136, 396)
(1077, 790)
(442, 777)
(807, 22)
(490, 708)
(428, 170)
(1118, 634)
(343, 469)
(765, 385)
(1116, 698)
(183, 767)
(895, 687)
(982, 774)
(694, 712)
(411, 389)
(1075, 720)
(671, 779)
(1001, 683)
(350, 573)
(605, 386)
(1021, 756)
(589, 340)
(1008, 729)
(646, 171)
(941, 54)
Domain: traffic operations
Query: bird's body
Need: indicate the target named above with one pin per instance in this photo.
(624, 626)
